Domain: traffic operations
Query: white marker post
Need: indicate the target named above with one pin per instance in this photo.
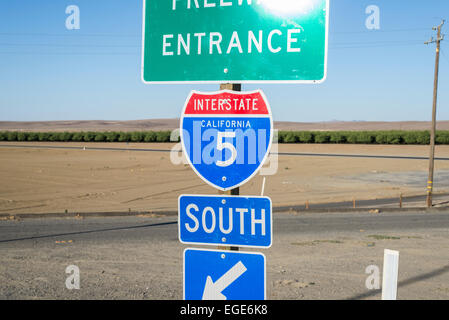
(263, 187)
(390, 275)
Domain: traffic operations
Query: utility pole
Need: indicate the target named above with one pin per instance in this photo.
(434, 113)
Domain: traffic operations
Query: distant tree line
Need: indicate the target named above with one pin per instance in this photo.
(363, 137)
(89, 136)
(336, 137)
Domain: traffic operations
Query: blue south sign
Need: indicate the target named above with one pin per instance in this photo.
(225, 220)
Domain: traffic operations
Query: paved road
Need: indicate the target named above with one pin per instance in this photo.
(298, 154)
(314, 256)
(165, 229)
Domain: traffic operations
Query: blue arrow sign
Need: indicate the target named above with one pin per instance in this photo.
(224, 275)
(226, 135)
(225, 220)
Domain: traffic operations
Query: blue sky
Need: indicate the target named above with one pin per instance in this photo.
(50, 73)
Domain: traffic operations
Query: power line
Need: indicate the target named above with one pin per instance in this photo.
(355, 44)
(71, 53)
(376, 46)
(71, 34)
(378, 42)
(380, 30)
(138, 52)
(69, 45)
(444, 55)
(74, 34)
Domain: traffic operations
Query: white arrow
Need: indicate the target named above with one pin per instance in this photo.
(212, 290)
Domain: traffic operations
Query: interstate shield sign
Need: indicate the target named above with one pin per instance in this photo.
(226, 135)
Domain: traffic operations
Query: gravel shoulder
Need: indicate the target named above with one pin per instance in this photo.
(314, 256)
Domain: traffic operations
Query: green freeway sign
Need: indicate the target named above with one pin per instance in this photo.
(244, 41)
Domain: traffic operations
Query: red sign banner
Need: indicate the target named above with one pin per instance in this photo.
(227, 103)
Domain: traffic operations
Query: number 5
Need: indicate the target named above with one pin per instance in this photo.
(226, 145)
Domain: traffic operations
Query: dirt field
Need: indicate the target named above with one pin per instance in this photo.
(56, 180)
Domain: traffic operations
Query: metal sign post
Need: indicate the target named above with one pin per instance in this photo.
(235, 191)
